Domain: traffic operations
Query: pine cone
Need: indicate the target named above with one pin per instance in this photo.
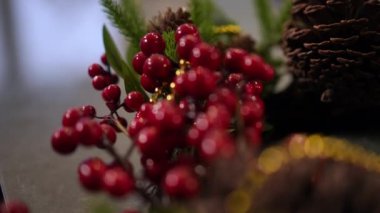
(315, 185)
(333, 48)
(169, 21)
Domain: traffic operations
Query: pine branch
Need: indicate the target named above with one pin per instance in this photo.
(170, 49)
(126, 18)
(283, 16)
(264, 14)
(202, 15)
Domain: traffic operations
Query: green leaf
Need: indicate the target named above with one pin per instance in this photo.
(131, 80)
(170, 49)
(101, 206)
(113, 55)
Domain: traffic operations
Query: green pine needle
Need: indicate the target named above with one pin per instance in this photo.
(170, 49)
(283, 16)
(126, 18)
(264, 14)
(202, 12)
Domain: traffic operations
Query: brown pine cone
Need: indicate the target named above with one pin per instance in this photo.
(315, 185)
(333, 50)
(169, 21)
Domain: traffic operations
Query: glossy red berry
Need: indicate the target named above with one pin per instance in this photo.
(181, 182)
(185, 46)
(254, 88)
(111, 93)
(118, 182)
(99, 82)
(114, 78)
(148, 140)
(138, 62)
(234, 58)
(194, 137)
(252, 111)
(167, 116)
(134, 100)
(205, 55)
(233, 80)
(226, 97)
(200, 83)
(71, 117)
(131, 211)
(95, 69)
(135, 126)
(65, 140)
(154, 169)
(148, 84)
(90, 132)
(88, 111)
(158, 66)
(14, 207)
(217, 144)
(91, 172)
(253, 136)
(104, 60)
(186, 29)
(253, 67)
(109, 132)
(269, 73)
(181, 85)
(152, 43)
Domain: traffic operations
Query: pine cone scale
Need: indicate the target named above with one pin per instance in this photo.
(333, 48)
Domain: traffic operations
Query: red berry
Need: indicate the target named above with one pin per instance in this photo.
(167, 116)
(205, 55)
(135, 126)
(131, 211)
(148, 84)
(253, 67)
(252, 111)
(154, 169)
(134, 100)
(95, 69)
(148, 140)
(218, 116)
(111, 93)
(65, 140)
(180, 85)
(99, 82)
(186, 29)
(200, 83)
(104, 60)
(186, 45)
(71, 117)
(146, 111)
(109, 132)
(90, 132)
(254, 88)
(225, 97)
(194, 137)
(234, 58)
(138, 62)
(268, 73)
(157, 67)
(181, 182)
(88, 111)
(118, 182)
(152, 43)
(217, 144)
(233, 80)
(14, 207)
(91, 172)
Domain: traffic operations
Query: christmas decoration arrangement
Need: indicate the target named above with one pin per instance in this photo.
(195, 97)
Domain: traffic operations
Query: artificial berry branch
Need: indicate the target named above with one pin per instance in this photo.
(186, 124)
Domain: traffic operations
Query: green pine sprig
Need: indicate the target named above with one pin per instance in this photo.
(126, 17)
(170, 49)
(202, 12)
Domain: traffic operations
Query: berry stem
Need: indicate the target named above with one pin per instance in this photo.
(125, 132)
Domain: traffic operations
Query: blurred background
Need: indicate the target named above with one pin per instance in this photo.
(45, 49)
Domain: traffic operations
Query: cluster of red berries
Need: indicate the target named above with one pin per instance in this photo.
(202, 106)
(209, 94)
